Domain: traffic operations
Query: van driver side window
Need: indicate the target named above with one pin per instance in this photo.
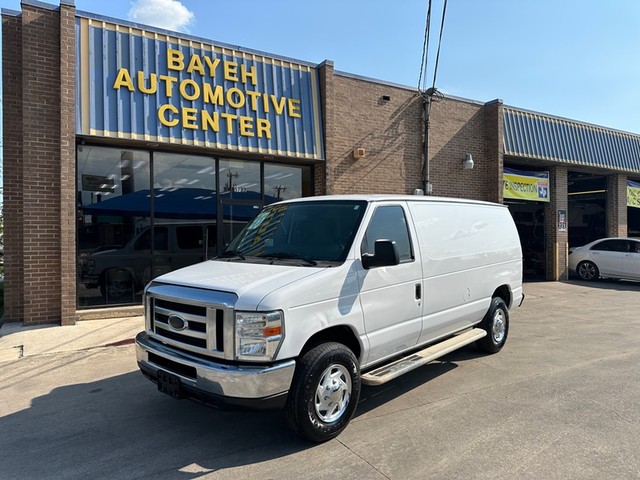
(388, 223)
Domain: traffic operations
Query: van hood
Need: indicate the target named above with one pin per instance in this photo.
(251, 282)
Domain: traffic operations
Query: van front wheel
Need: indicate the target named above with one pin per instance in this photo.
(496, 324)
(324, 393)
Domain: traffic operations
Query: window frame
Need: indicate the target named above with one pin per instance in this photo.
(412, 255)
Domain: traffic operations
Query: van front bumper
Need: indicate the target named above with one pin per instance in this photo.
(214, 383)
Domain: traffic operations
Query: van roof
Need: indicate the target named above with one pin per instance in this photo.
(386, 198)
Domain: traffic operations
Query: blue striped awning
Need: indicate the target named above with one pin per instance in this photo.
(533, 135)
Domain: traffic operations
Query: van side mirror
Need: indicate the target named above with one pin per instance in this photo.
(385, 255)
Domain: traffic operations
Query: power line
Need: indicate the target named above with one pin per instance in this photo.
(425, 49)
(424, 61)
(429, 95)
(435, 70)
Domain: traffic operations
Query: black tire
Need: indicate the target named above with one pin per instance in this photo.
(588, 271)
(330, 368)
(496, 324)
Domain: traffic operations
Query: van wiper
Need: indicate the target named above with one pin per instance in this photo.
(293, 256)
(231, 254)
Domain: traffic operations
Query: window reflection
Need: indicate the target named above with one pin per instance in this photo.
(134, 226)
(185, 204)
(113, 211)
(240, 180)
(283, 182)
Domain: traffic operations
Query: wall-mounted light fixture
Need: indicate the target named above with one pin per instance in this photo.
(468, 162)
(359, 153)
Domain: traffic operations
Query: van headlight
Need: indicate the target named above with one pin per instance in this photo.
(258, 335)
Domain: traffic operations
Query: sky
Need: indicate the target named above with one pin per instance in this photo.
(578, 59)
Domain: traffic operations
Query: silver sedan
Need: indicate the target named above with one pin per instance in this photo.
(607, 257)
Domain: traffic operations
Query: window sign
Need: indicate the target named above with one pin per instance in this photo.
(633, 194)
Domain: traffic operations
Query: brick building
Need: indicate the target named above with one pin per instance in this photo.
(130, 151)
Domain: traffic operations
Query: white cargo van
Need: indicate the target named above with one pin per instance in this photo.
(319, 295)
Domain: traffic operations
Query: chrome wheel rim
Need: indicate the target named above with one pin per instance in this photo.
(499, 326)
(587, 271)
(333, 393)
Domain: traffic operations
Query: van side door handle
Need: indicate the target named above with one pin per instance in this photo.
(418, 291)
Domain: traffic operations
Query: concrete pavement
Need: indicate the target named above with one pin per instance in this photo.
(560, 401)
(17, 340)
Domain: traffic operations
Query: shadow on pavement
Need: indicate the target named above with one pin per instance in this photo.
(122, 427)
(373, 397)
(606, 284)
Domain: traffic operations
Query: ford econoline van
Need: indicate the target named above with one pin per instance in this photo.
(318, 296)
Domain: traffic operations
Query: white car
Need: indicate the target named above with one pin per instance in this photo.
(607, 257)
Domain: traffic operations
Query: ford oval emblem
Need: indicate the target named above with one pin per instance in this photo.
(176, 322)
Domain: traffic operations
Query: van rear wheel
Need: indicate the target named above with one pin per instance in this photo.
(324, 393)
(496, 324)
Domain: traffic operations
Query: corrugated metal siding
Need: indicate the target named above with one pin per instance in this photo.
(105, 48)
(537, 136)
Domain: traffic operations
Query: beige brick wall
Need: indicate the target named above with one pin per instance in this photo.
(389, 131)
(457, 128)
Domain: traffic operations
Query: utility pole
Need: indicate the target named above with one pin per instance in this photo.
(279, 189)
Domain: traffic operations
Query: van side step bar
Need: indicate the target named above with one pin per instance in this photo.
(403, 365)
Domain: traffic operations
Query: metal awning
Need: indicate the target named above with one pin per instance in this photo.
(543, 137)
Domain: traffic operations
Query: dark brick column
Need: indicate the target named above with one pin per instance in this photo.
(617, 206)
(494, 132)
(67, 163)
(41, 157)
(322, 171)
(48, 157)
(557, 241)
(12, 167)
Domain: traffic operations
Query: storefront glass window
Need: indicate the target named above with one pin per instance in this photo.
(113, 213)
(142, 214)
(241, 195)
(282, 182)
(185, 205)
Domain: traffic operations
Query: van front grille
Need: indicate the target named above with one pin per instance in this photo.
(191, 326)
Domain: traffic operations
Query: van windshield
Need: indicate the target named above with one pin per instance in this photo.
(304, 232)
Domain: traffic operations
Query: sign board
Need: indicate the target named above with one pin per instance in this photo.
(562, 220)
(137, 82)
(521, 185)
